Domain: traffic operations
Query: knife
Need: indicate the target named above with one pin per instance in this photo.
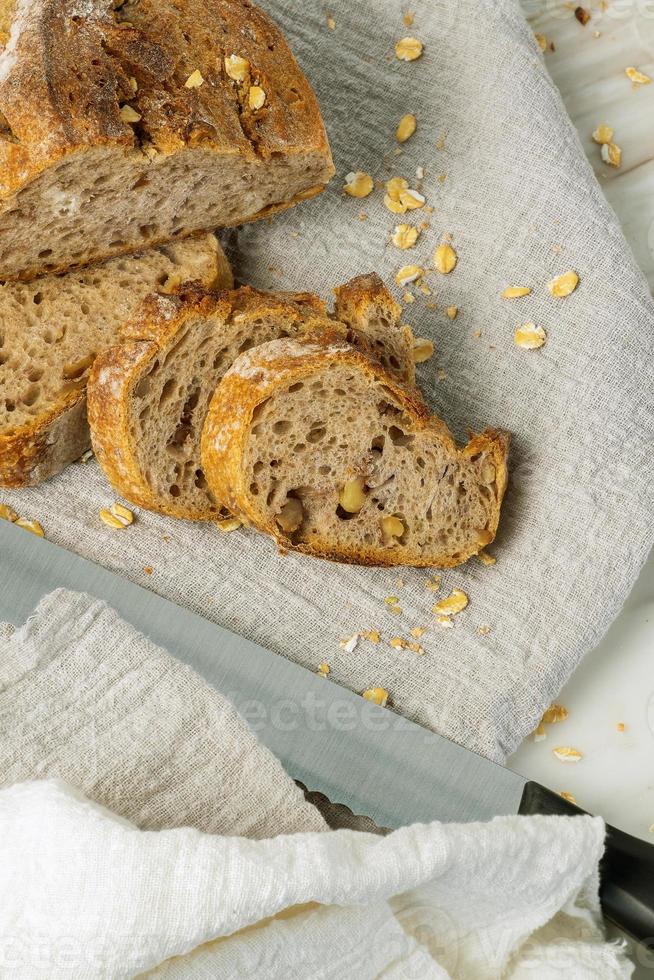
(328, 738)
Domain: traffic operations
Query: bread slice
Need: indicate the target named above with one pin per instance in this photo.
(50, 331)
(366, 306)
(148, 396)
(320, 447)
(127, 124)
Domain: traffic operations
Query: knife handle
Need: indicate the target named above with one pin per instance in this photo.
(626, 868)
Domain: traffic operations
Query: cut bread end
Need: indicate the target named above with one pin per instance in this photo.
(320, 447)
(52, 329)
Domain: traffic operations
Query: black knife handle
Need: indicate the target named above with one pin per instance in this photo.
(626, 869)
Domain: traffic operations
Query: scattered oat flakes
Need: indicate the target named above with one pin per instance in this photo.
(407, 274)
(194, 80)
(484, 630)
(565, 284)
(455, 603)
(420, 173)
(395, 610)
(417, 631)
(620, 726)
(603, 134)
(406, 127)
(256, 97)
(476, 334)
(440, 143)
(405, 236)
(651, 829)
(423, 349)
(434, 583)
(408, 298)
(529, 336)
(445, 258)
(452, 312)
(129, 115)
(408, 49)
(441, 374)
(323, 669)
(539, 733)
(568, 796)
(541, 40)
(515, 292)
(7, 513)
(582, 15)
(565, 753)
(33, 526)
(350, 644)
(228, 524)
(398, 643)
(411, 199)
(445, 622)
(611, 154)
(373, 636)
(117, 516)
(407, 17)
(377, 695)
(554, 714)
(637, 77)
(331, 23)
(391, 600)
(485, 558)
(358, 184)
(237, 68)
(148, 569)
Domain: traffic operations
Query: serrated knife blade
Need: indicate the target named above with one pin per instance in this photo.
(330, 739)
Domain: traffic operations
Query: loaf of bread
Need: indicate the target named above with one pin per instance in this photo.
(319, 446)
(127, 124)
(50, 331)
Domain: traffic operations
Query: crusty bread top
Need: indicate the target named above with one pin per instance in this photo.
(68, 66)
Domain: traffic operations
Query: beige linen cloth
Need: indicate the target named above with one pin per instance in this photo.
(144, 831)
(507, 178)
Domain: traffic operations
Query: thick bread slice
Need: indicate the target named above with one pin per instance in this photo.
(366, 306)
(50, 331)
(126, 124)
(148, 396)
(320, 447)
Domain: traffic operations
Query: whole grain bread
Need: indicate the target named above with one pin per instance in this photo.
(127, 124)
(50, 331)
(148, 396)
(323, 449)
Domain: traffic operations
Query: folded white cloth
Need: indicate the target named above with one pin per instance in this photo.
(170, 883)
(85, 893)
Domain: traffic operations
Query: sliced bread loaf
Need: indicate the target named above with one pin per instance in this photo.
(126, 124)
(320, 447)
(50, 331)
(148, 396)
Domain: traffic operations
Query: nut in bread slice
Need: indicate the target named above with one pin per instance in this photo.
(323, 449)
(50, 331)
(149, 396)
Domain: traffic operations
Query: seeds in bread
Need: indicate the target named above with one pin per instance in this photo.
(104, 146)
(321, 448)
(50, 331)
(148, 396)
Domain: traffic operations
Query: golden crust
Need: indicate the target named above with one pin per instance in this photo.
(66, 68)
(259, 375)
(119, 369)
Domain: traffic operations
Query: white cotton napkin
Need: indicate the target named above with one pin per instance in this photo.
(98, 897)
(142, 859)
